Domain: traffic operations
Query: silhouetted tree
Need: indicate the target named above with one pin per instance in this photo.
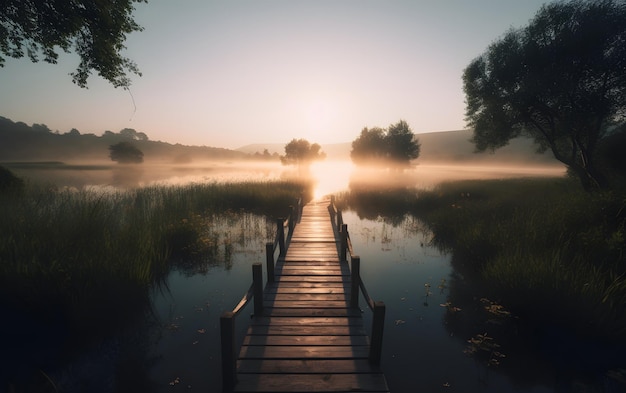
(301, 152)
(369, 147)
(125, 153)
(131, 133)
(94, 30)
(559, 80)
(402, 145)
(395, 146)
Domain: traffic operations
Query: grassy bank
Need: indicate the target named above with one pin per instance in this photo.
(550, 252)
(89, 258)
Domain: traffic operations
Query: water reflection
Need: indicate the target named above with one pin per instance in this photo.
(440, 334)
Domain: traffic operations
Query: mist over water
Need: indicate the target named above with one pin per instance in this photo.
(330, 176)
(337, 176)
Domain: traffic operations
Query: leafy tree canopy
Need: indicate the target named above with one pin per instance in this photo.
(125, 153)
(396, 145)
(95, 30)
(560, 80)
(302, 152)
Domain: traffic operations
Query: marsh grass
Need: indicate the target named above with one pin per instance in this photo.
(550, 252)
(90, 258)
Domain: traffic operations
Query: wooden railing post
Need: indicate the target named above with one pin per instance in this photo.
(280, 231)
(269, 261)
(298, 211)
(292, 219)
(229, 357)
(257, 282)
(378, 326)
(355, 281)
(344, 243)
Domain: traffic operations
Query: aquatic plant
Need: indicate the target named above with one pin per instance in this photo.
(91, 257)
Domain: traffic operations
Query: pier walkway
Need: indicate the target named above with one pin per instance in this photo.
(308, 333)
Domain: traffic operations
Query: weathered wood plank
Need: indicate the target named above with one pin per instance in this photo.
(307, 321)
(306, 297)
(306, 330)
(305, 312)
(318, 279)
(312, 383)
(305, 366)
(304, 352)
(305, 340)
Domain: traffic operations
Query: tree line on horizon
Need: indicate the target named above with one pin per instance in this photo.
(559, 80)
(21, 142)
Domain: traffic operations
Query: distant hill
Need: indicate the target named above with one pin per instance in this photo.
(438, 147)
(20, 142)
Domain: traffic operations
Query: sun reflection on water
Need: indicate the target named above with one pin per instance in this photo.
(331, 177)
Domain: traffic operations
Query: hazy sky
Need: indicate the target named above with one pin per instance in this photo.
(232, 73)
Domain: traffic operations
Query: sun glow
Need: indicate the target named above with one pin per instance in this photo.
(331, 177)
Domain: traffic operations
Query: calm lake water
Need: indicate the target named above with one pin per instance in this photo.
(431, 312)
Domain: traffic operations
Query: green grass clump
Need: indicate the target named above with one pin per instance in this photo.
(542, 247)
(92, 257)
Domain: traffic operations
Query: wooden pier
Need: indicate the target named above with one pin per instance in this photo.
(307, 333)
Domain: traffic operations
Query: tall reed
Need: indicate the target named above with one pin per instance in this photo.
(91, 257)
(542, 247)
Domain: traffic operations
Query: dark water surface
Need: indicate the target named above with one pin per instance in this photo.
(430, 318)
(432, 315)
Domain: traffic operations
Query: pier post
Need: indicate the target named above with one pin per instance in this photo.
(355, 281)
(229, 357)
(292, 218)
(257, 282)
(378, 325)
(280, 231)
(344, 242)
(269, 261)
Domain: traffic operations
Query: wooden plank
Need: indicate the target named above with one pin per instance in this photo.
(311, 383)
(275, 340)
(307, 321)
(308, 312)
(302, 284)
(317, 279)
(304, 352)
(306, 330)
(305, 366)
(312, 305)
(307, 297)
(294, 288)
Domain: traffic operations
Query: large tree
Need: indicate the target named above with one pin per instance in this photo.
(560, 80)
(402, 145)
(369, 147)
(397, 145)
(125, 153)
(302, 152)
(95, 30)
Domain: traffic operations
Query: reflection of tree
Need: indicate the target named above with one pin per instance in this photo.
(372, 202)
(127, 176)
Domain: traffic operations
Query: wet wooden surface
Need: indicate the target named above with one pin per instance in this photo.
(308, 338)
